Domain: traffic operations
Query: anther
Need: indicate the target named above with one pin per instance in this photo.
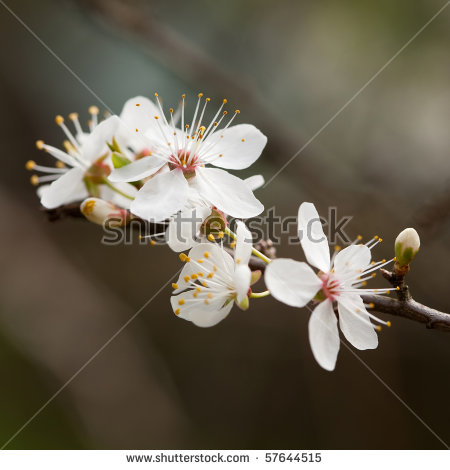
(200, 95)
(138, 104)
(232, 244)
(194, 276)
(93, 110)
(359, 237)
(40, 144)
(34, 180)
(378, 328)
(220, 235)
(371, 305)
(181, 302)
(183, 95)
(211, 237)
(174, 285)
(206, 254)
(60, 164)
(187, 278)
(206, 301)
(152, 242)
(242, 140)
(237, 111)
(156, 95)
(388, 323)
(59, 120)
(177, 311)
(182, 257)
(225, 101)
(73, 116)
(210, 296)
(30, 165)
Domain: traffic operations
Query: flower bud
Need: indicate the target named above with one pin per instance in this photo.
(407, 245)
(100, 212)
(215, 223)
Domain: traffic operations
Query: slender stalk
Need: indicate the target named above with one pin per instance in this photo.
(259, 295)
(254, 250)
(118, 191)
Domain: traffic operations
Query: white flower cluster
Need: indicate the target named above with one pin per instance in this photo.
(162, 167)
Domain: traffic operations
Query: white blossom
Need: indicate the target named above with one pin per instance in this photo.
(211, 281)
(339, 280)
(179, 159)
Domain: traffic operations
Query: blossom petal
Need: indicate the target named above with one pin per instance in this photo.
(67, 188)
(110, 195)
(161, 197)
(94, 146)
(355, 323)
(218, 257)
(242, 277)
(324, 335)
(227, 192)
(139, 113)
(136, 170)
(237, 147)
(254, 182)
(354, 258)
(291, 282)
(313, 240)
(244, 244)
(185, 227)
(199, 313)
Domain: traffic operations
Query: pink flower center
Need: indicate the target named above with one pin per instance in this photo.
(330, 286)
(185, 162)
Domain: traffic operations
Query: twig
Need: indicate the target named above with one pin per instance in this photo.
(404, 306)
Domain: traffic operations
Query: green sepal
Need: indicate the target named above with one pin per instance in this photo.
(404, 256)
(114, 146)
(92, 188)
(255, 277)
(119, 160)
(244, 305)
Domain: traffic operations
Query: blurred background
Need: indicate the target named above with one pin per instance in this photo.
(251, 381)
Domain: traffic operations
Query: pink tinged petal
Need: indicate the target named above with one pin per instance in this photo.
(313, 240)
(137, 170)
(67, 188)
(161, 197)
(324, 335)
(242, 277)
(244, 243)
(352, 259)
(239, 146)
(291, 282)
(254, 182)
(227, 192)
(355, 324)
(184, 228)
(95, 144)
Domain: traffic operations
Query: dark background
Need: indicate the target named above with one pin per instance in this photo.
(251, 381)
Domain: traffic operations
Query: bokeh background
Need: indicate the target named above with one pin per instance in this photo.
(250, 382)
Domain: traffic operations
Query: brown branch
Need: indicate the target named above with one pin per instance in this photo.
(404, 306)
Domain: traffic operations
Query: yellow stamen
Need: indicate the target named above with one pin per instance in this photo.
(174, 285)
(93, 110)
(206, 254)
(152, 242)
(371, 305)
(232, 244)
(59, 164)
(378, 328)
(210, 275)
(40, 144)
(220, 235)
(59, 120)
(206, 301)
(388, 323)
(211, 237)
(177, 311)
(194, 276)
(34, 180)
(30, 165)
(210, 296)
(181, 302)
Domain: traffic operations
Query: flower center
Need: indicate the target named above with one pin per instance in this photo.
(330, 286)
(184, 161)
